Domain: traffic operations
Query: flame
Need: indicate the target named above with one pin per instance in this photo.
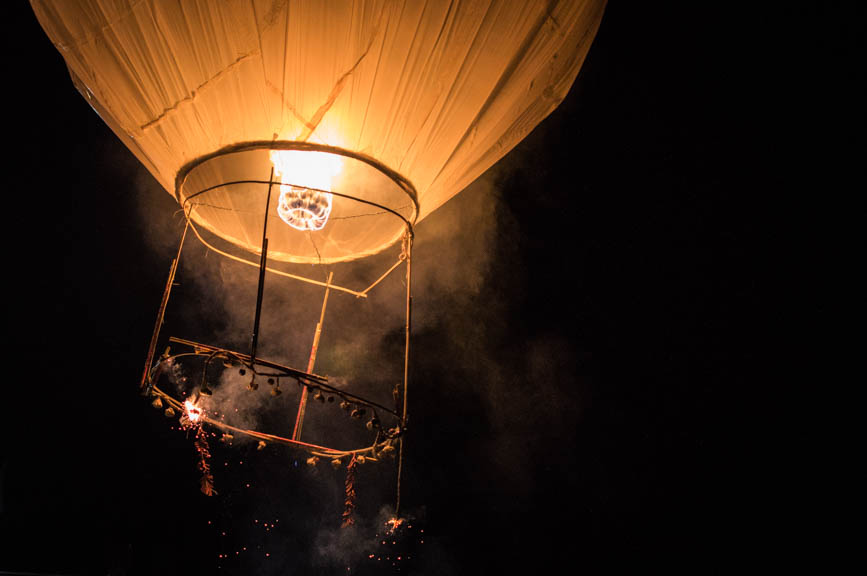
(194, 413)
(306, 178)
(393, 523)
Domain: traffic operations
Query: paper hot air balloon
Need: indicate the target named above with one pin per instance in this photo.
(316, 131)
(398, 103)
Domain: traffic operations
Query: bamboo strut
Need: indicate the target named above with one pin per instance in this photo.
(408, 254)
(302, 406)
(162, 311)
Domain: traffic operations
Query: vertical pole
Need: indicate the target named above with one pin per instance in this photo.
(262, 261)
(302, 406)
(405, 364)
(162, 310)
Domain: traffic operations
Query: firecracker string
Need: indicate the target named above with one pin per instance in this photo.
(349, 502)
(207, 481)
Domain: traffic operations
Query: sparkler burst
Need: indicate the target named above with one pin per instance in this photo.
(394, 523)
(397, 544)
(191, 420)
(193, 412)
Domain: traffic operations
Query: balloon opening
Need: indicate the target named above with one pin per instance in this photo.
(335, 205)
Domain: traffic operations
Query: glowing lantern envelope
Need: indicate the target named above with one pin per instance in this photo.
(400, 104)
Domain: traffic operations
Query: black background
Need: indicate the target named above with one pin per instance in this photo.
(643, 227)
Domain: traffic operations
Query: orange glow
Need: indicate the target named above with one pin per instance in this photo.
(194, 413)
(393, 524)
(306, 179)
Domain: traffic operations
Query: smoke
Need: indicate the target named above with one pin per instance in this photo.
(379, 543)
(361, 346)
(350, 545)
(236, 404)
(479, 388)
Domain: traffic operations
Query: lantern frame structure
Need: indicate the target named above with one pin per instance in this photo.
(388, 440)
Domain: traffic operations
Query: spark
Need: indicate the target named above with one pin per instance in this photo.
(192, 419)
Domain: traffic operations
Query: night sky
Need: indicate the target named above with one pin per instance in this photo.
(589, 362)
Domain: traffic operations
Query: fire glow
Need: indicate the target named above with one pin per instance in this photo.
(306, 179)
(194, 413)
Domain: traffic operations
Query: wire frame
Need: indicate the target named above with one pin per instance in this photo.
(387, 424)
